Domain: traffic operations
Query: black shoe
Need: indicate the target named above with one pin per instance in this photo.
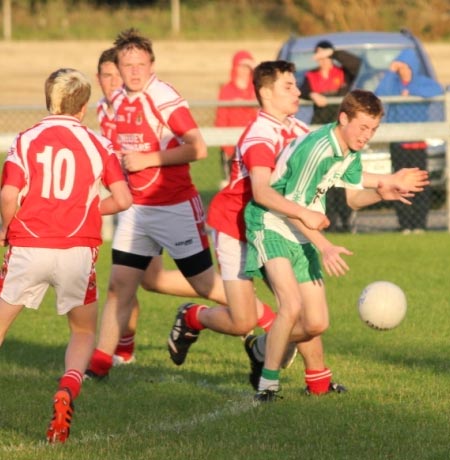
(181, 337)
(91, 375)
(255, 365)
(263, 396)
(332, 388)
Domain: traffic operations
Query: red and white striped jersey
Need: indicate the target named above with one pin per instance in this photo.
(150, 121)
(58, 166)
(107, 122)
(259, 145)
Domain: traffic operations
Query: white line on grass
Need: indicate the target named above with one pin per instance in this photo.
(233, 407)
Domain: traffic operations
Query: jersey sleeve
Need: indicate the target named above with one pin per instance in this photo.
(181, 121)
(352, 178)
(13, 172)
(172, 108)
(113, 171)
(259, 155)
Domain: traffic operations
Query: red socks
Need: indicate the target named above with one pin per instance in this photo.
(318, 381)
(267, 318)
(72, 379)
(191, 317)
(100, 363)
(125, 348)
(192, 321)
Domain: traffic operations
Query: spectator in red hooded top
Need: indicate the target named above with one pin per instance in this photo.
(239, 87)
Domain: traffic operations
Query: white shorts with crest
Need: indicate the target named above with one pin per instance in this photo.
(27, 273)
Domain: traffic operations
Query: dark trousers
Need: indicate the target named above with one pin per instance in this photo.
(337, 208)
(414, 216)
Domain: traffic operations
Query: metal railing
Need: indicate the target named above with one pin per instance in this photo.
(14, 119)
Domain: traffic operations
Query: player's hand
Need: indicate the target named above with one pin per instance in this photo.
(332, 261)
(3, 240)
(314, 220)
(410, 179)
(391, 193)
(134, 161)
(319, 99)
(323, 53)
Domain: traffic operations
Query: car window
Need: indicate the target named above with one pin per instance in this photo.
(375, 61)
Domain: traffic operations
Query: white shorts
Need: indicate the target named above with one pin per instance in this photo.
(231, 255)
(178, 228)
(27, 273)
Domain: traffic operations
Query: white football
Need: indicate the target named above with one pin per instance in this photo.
(382, 305)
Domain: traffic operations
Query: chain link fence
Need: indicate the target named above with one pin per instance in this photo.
(395, 145)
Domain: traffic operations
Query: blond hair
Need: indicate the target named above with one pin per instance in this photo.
(66, 92)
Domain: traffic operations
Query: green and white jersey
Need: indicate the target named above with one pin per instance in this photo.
(304, 171)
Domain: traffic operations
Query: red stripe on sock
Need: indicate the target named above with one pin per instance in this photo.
(125, 348)
(72, 379)
(318, 381)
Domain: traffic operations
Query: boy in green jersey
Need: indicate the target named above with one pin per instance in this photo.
(286, 252)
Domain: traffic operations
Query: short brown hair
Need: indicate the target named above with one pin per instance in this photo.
(66, 91)
(361, 101)
(131, 38)
(109, 55)
(266, 73)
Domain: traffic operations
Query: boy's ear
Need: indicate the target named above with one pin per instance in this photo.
(343, 119)
(265, 92)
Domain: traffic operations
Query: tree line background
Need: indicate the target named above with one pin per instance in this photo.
(231, 19)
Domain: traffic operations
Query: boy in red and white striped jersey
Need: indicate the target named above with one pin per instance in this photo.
(51, 218)
(157, 138)
(156, 278)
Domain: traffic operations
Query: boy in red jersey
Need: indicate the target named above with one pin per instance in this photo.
(56, 168)
(157, 138)
(109, 79)
(156, 278)
(256, 154)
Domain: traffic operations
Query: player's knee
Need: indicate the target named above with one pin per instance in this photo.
(204, 290)
(148, 285)
(244, 327)
(291, 313)
(317, 327)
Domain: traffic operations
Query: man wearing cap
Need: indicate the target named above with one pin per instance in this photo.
(330, 80)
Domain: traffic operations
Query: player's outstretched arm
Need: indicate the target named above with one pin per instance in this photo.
(392, 193)
(333, 263)
(406, 179)
(359, 199)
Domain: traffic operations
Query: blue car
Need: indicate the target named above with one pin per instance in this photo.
(376, 50)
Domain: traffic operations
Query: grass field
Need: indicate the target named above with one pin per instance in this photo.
(397, 407)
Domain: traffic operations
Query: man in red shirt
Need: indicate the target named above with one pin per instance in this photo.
(54, 170)
(331, 80)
